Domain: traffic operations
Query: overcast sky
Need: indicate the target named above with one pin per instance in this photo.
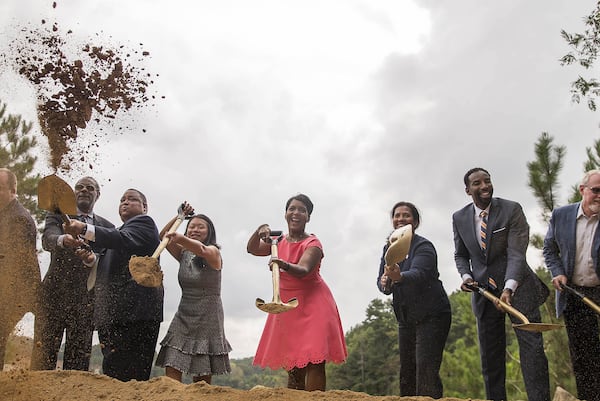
(356, 103)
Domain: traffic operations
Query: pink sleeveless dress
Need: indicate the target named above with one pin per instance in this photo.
(310, 333)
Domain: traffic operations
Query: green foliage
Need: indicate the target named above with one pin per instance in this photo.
(373, 357)
(543, 173)
(461, 367)
(592, 163)
(584, 51)
(16, 153)
(244, 376)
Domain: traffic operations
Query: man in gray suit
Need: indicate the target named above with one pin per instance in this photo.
(571, 252)
(66, 305)
(491, 237)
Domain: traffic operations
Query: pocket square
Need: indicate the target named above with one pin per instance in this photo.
(498, 230)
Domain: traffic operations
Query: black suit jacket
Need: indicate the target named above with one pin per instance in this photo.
(508, 238)
(65, 281)
(420, 294)
(119, 299)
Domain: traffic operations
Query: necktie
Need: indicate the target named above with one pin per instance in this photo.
(483, 231)
(91, 281)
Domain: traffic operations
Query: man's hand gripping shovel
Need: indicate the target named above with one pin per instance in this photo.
(56, 196)
(526, 324)
(276, 305)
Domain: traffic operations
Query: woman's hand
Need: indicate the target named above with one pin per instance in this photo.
(175, 237)
(283, 265)
(188, 210)
(393, 272)
(263, 231)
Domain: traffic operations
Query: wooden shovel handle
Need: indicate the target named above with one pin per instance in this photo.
(275, 273)
(163, 244)
(594, 306)
(508, 308)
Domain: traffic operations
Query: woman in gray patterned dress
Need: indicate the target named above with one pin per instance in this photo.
(195, 343)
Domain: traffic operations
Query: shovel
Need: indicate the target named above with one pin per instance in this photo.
(585, 299)
(399, 241)
(276, 305)
(145, 270)
(56, 196)
(526, 325)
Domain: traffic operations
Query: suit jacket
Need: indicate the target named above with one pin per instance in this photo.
(508, 238)
(420, 294)
(65, 281)
(119, 299)
(560, 246)
(19, 267)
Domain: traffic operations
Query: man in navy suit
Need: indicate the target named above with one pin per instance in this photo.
(496, 260)
(126, 314)
(66, 305)
(571, 252)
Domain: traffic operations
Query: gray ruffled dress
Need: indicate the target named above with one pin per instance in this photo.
(195, 342)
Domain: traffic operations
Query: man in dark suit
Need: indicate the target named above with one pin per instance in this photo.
(19, 268)
(496, 259)
(65, 302)
(127, 315)
(572, 253)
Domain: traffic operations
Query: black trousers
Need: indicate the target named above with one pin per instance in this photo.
(584, 343)
(421, 348)
(492, 344)
(56, 317)
(128, 349)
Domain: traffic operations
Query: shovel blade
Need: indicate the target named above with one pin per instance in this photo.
(538, 327)
(276, 307)
(400, 241)
(56, 196)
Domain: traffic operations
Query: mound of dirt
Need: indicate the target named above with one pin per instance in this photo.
(24, 385)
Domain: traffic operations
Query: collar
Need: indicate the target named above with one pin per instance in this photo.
(580, 213)
(478, 210)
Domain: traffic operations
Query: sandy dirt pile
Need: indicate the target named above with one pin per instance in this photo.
(23, 385)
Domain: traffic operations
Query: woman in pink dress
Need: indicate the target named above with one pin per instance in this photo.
(300, 340)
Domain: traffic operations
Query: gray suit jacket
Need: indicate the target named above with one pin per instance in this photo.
(560, 245)
(508, 238)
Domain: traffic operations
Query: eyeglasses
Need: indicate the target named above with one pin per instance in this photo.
(80, 187)
(595, 190)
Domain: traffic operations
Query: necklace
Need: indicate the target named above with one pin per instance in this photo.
(292, 239)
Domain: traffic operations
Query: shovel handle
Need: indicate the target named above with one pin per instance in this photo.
(163, 244)
(506, 307)
(275, 269)
(585, 299)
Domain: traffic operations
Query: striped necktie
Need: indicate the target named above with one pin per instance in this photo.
(483, 231)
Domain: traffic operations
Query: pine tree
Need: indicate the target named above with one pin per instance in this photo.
(16, 153)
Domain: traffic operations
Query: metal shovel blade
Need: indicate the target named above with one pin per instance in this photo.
(56, 196)
(537, 327)
(276, 307)
(400, 241)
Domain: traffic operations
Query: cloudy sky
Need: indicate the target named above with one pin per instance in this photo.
(357, 103)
